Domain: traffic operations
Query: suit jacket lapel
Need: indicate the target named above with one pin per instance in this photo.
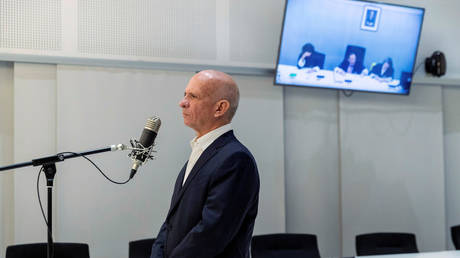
(205, 156)
(178, 185)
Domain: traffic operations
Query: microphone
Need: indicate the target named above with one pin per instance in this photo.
(144, 146)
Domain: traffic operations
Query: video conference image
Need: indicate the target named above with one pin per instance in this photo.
(349, 45)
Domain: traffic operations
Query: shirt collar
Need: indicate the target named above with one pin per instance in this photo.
(204, 141)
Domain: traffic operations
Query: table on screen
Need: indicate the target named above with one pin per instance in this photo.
(291, 75)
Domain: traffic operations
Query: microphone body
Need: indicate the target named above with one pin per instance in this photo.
(149, 133)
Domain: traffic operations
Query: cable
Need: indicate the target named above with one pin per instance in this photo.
(81, 155)
(38, 190)
(39, 199)
(347, 93)
(418, 67)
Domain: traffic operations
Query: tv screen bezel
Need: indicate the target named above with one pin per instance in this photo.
(359, 90)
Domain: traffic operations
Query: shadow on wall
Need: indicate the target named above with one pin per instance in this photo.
(373, 202)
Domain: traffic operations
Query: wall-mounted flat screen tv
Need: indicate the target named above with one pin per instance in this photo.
(349, 45)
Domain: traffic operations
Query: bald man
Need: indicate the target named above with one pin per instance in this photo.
(216, 195)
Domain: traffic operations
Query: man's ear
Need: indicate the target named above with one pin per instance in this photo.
(222, 107)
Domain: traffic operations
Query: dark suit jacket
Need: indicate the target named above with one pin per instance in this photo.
(316, 59)
(213, 214)
(357, 68)
(377, 70)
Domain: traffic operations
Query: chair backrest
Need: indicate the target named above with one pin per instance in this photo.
(284, 245)
(141, 248)
(385, 243)
(360, 53)
(39, 250)
(455, 232)
(321, 57)
(405, 80)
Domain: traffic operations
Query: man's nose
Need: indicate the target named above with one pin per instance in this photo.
(183, 103)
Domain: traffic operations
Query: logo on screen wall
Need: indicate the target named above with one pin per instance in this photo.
(371, 18)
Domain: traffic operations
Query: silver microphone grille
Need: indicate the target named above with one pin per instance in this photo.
(153, 124)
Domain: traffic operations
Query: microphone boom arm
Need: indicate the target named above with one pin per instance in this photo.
(61, 157)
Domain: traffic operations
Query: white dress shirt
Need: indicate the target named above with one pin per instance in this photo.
(199, 146)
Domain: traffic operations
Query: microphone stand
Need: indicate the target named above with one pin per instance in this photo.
(49, 167)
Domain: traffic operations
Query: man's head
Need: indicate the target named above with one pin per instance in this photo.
(210, 101)
(387, 63)
(308, 49)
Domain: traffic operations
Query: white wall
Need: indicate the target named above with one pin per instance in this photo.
(451, 108)
(259, 124)
(392, 166)
(439, 32)
(98, 106)
(312, 166)
(371, 176)
(378, 190)
(34, 136)
(74, 108)
(326, 179)
(6, 154)
(148, 32)
(384, 173)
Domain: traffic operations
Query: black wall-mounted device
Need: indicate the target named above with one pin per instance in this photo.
(436, 64)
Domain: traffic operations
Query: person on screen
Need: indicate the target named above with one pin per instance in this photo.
(383, 71)
(215, 199)
(309, 59)
(351, 65)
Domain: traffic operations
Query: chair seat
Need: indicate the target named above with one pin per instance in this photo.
(385, 243)
(141, 248)
(287, 254)
(455, 232)
(284, 245)
(39, 250)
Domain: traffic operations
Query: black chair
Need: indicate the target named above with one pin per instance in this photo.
(284, 245)
(321, 57)
(405, 80)
(141, 248)
(455, 232)
(360, 53)
(39, 250)
(385, 243)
